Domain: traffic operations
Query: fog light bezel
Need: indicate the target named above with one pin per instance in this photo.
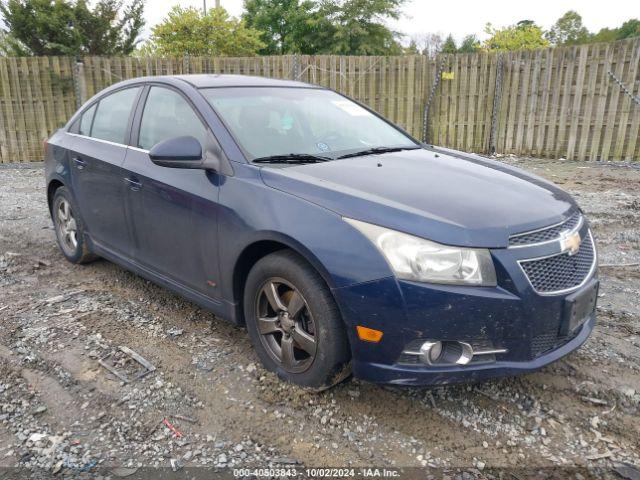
(446, 353)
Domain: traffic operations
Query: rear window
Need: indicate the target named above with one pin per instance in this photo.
(112, 117)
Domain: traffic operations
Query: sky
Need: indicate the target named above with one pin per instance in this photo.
(461, 17)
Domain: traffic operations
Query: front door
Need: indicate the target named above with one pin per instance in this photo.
(97, 157)
(173, 211)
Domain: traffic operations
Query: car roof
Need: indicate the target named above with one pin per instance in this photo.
(213, 81)
(224, 80)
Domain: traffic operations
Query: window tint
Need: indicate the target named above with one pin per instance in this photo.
(111, 119)
(167, 114)
(85, 121)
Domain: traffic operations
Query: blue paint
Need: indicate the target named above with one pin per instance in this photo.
(186, 229)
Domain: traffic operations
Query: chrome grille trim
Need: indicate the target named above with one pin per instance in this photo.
(584, 281)
(575, 228)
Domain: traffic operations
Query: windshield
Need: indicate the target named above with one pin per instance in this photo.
(281, 121)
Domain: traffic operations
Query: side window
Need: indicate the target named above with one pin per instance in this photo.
(112, 116)
(167, 114)
(85, 121)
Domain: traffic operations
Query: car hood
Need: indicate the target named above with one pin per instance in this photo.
(440, 194)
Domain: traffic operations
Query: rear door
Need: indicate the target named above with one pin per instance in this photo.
(173, 211)
(96, 168)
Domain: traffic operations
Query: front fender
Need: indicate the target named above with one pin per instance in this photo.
(252, 211)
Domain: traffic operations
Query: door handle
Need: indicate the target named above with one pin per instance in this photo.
(79, 163)
(134, 185)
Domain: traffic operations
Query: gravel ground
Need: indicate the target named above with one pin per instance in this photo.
(210, 404)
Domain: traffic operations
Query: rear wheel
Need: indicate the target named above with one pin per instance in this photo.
(69, 228)
(294, 323)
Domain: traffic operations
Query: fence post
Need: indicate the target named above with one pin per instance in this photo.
(497, 96)
(79, 82)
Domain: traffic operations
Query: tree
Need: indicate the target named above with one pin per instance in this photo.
(449, 45)
(630, 28)
(349, 27)
(568, 30)
(428, 44)
(470, 44)
(71, 27)
(412, 48)
(360, 28)
(526, 36)
(288, 26)
(11, 47)
(188, 31)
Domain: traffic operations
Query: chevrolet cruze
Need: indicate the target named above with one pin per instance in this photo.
(343, 244)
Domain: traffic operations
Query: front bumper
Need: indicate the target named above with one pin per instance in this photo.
(420, 376)
(515, 320)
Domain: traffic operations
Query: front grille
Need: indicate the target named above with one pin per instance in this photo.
(545, 234)
(561, 272)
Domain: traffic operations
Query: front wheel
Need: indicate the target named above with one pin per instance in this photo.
(294, 323)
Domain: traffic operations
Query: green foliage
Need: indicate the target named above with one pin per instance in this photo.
(359, 26)
(449, 45)
(629, 29)
(288, 26)
(12, 47)
(524, 36)
(412, 48)
(67, 27)
(568, 30)
(186, 31)
(470, 44)
(349, 27)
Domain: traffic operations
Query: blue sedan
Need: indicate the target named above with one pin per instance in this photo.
(344, 245)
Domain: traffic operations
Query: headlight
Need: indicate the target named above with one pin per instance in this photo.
(414, 258)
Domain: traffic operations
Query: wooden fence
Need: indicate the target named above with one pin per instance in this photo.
(572, 102)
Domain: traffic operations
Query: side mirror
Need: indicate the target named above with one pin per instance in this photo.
(181, 152)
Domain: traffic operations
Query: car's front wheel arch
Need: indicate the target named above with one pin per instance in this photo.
(259, 249)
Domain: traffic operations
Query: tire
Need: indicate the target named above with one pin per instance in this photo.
(69, 228)
(294, 323)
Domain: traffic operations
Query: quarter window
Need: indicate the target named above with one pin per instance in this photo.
(167, 114)
(112, 117)
(85, 121)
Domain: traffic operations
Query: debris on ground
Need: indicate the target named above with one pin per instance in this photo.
(60, 411)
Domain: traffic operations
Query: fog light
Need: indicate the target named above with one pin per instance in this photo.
(442, 353)
(430, 352)
(446, 353)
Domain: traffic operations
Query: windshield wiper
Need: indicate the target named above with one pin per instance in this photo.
(292, 158)
(377, 150)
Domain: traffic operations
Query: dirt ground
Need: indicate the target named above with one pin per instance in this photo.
(61, 412)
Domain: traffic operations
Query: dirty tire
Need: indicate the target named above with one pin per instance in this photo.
(69, 228)
(319, 314)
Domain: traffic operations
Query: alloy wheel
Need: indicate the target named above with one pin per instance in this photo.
(286, 325)
(67, 227)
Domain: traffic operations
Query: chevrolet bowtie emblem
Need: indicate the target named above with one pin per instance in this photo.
(570, 242)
